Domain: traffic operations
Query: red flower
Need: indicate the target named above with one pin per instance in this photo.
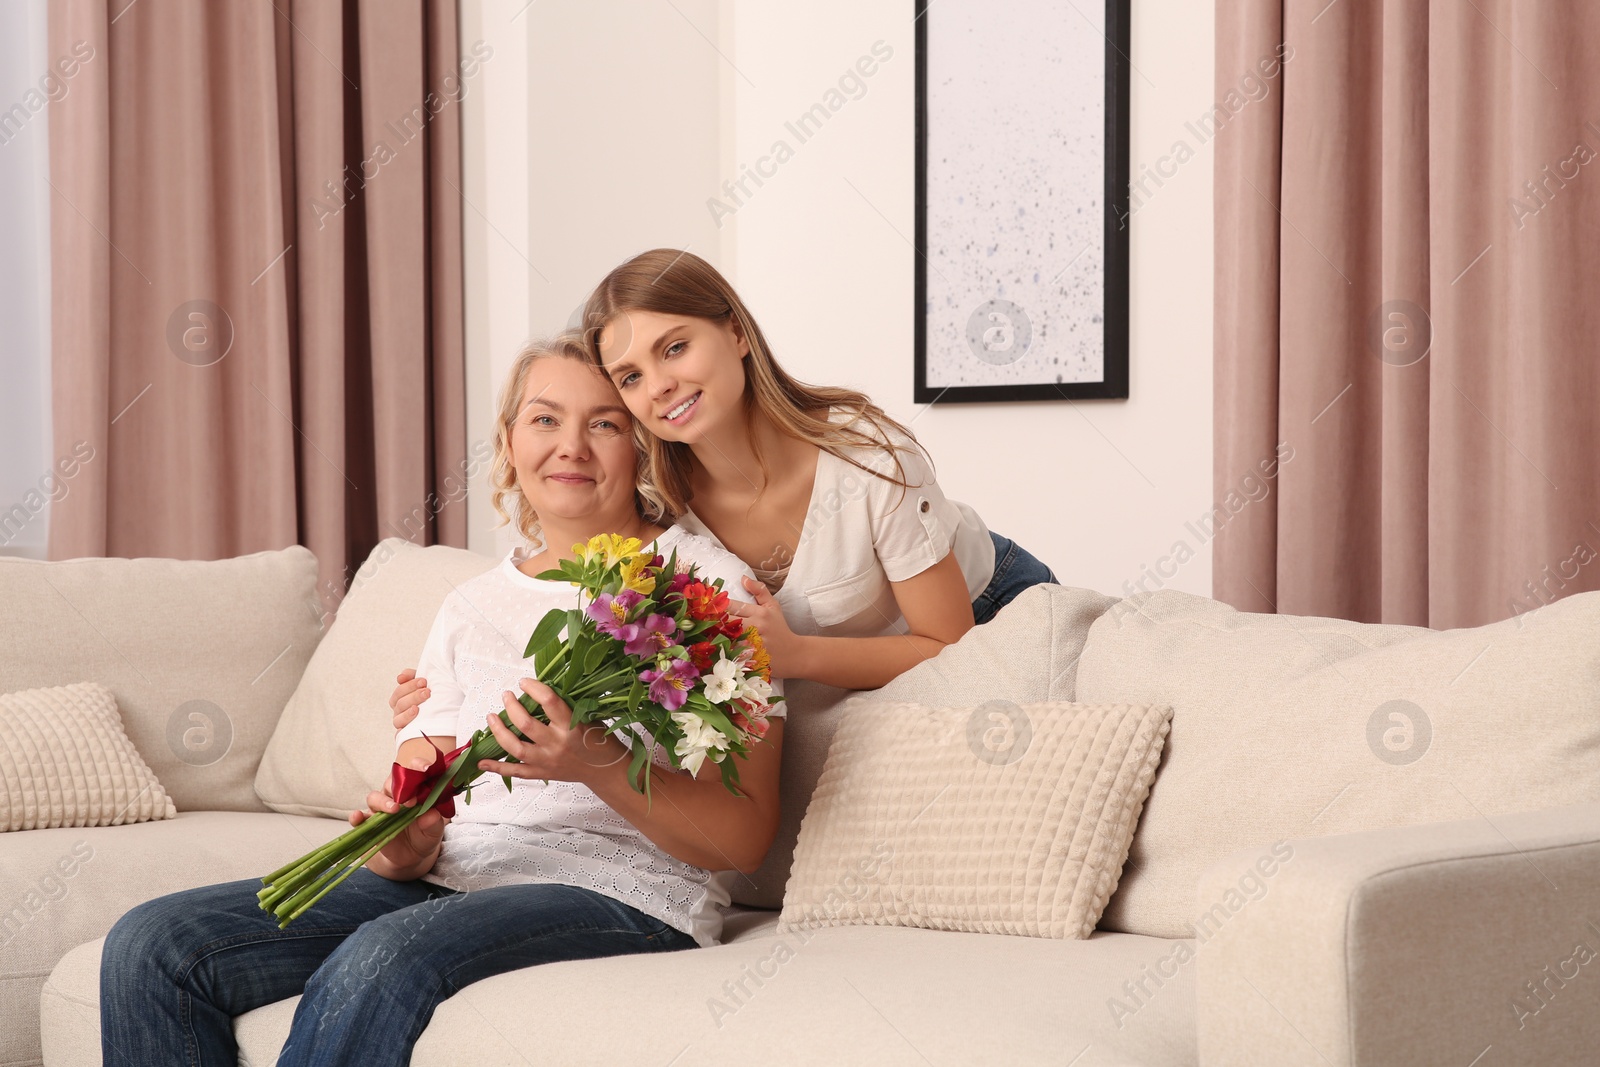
(703, 654)
(756, 726)
(731, 627)
(704, 601)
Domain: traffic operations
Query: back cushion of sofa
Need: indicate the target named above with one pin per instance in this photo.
(1286, 727)
(201, 655)
(1026, 654)
(336, 740)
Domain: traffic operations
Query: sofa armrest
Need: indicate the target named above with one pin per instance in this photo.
(1471, 944)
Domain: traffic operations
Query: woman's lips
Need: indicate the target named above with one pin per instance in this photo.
(571, 479)
(687, 413)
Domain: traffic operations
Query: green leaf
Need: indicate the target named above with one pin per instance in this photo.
(506, 778)
(641, 756)
(547, 630)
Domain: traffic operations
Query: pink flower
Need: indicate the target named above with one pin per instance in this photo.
(670, 687)
(648, 636)
(610, 613)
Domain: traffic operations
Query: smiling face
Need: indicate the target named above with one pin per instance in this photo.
(681, 377)
(572, 447)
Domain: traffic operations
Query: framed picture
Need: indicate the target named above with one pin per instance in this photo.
(1022, 200)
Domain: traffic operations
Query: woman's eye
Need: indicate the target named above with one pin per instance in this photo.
(543, 421)
(676, 348)
(628, 379)
(607, 426)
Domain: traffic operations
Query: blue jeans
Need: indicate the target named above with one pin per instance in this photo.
(1015, 569)
(373, 959)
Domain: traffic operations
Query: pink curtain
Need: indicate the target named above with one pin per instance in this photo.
(1407, 270)
(256, 241)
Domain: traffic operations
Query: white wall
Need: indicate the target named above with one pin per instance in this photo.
(821, 251)
(595, 133)
(25, 446)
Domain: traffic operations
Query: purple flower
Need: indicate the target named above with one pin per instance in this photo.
(670, 687)
(649, 635)
(610, 613)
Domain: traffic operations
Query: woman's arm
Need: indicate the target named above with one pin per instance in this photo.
(695, 820)
(937, 609)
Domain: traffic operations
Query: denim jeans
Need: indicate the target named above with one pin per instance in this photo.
(373, 959)
(1015, 569)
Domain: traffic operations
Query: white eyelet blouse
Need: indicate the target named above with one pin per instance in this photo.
(561, 832)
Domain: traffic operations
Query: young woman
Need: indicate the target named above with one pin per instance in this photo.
(866, 568)
(570, 865)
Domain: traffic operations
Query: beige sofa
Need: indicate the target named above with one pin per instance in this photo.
(1366, 845)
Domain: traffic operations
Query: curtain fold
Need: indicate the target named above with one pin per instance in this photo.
(257, 278)
(1406, 270)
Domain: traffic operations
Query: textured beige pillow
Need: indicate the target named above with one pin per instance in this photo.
(1026, 653)
(65, 761)
(997, 819)
(336, 738)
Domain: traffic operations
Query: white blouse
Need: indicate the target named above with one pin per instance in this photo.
(862, 532)
(559, 832)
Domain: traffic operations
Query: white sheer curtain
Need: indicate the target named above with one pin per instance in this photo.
(29, 476)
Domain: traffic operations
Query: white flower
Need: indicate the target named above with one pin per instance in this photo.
(699, 737)
(723, 681)
(756, 688)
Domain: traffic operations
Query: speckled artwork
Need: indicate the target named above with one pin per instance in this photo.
(1015, 193)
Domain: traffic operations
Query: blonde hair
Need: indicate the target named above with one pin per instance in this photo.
(509, 501)
(672, 282)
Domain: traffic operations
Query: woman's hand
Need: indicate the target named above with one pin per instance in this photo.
(786, 648)
(407, 697)
(414, 852)
(559, 751)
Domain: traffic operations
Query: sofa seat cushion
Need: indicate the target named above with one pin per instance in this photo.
(845, 995)
(1286, 727)
(62, 887)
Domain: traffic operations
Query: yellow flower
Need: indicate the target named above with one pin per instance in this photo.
(634, 576)
(610, 547)
(760, 661)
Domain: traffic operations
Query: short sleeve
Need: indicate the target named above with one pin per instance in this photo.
(439, 714)
(912, 528)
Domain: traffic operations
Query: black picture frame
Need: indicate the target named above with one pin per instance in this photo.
(1114, 377)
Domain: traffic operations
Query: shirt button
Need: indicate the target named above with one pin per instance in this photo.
(924, 507)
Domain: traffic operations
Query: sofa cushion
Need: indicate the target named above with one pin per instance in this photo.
(65, 886)
(1026, 653)
(336, 739)
(66, 761)
(879, 996)
(1002, 818)
(1287, 727)
(201, 655)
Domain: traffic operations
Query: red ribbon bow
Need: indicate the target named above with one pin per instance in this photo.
(411, 784)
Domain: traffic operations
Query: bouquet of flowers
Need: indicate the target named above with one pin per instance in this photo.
(652, 653)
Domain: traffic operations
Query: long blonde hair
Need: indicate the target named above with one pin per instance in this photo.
(509, 501)
(672, 282)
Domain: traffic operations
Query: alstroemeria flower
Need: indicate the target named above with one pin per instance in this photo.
(751, 718)
(610, 612)
(670, 686)
(702, 654)
(649, 635)
(699, 738)
(705, 602)
(723, 682)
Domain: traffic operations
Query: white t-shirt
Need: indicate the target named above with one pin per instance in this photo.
(561, 832)
(863, 532)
